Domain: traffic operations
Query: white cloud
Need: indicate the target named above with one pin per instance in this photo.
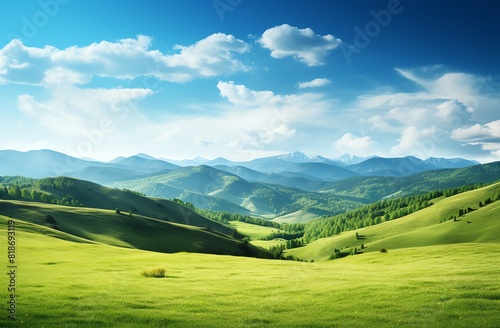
(249, 123)
(453, 110)
(123, 59)
(242, 96)
(431, 121)
(413, 142)
(454, 85)
(486, 136)
(302, 44)
(479, 133)
(24, 65)
(352, 144)
(203, 142)
(71, 111)
(59, 76)
(316, 83)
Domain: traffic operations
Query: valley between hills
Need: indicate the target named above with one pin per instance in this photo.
(289, 240)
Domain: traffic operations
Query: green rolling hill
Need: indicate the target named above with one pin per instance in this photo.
(374, 188)
(93, 195)
(209, 188)
(422, 228)
(136, 231)
(144, 223)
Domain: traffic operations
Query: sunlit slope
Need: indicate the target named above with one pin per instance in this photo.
(96, 196)
(301, 216)
(422, 228)
(136, 231)
(69, 284)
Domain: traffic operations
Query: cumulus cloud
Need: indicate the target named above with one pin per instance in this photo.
(242, 96)
(59, 76)
(302, 44)
(453, 110)
(352, 144)
(268, 117)
(251, 123)
(316, 83)
(24, 65)
(414, 141)
(122, 59)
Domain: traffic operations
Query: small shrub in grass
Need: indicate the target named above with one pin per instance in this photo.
(383, 250)
(154, 273)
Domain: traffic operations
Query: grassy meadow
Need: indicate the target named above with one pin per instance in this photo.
(421, 228)
(254, 232)
(74, 283)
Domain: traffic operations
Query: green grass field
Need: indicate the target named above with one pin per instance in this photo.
(252, 230)
(65, 283)
(88, 272)
(296, 217)
(266, 244)
(255, 232)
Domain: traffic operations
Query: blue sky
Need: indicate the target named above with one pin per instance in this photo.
(244, 79)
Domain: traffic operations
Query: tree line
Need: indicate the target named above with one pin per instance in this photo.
(375, 213)
(25, 188)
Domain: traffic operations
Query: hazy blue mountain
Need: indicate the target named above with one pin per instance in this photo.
(210, 188)
(348, 159)
(321, 159)
(450, 163)
(221, 161)
(48, 163)
(145, 165)
(104, 175)
(146, 156)
(404, 166)
(40, 163)
(287, 179)
(319, 171)
(375, 188)
(119, 158)
(294, 157)
(187, 162)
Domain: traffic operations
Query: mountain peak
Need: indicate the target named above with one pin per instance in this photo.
(145, 156)
(295, 156)
(200, 159)
(351, 159)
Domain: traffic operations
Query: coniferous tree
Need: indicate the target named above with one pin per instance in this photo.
(15, 191)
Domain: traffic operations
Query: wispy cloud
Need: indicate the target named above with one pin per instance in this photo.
(436, 120)
(72, 112)
(486, 136)
(316, 83)
(301, 44)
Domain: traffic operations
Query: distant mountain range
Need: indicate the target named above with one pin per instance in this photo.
(270, 186)
(43, 163)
